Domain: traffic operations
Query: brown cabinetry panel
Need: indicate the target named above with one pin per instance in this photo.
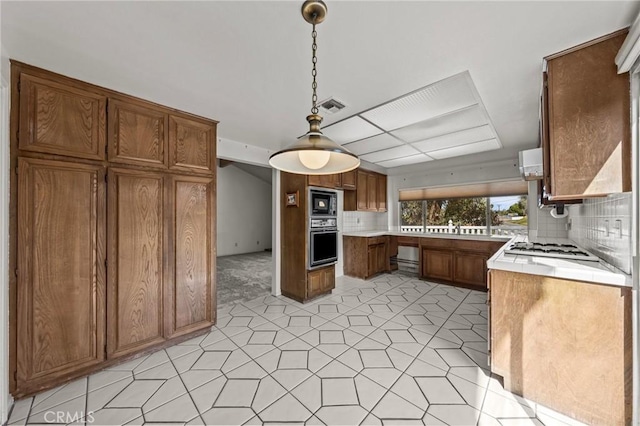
(349, 179)
(61, 119)
(372, 192)
(549, 336)
(321, 281)
(470, 268)
(191, 144)
(193, 280)
(136, 272)
(333, 181)
(61, 304)
(137, 135)
(361, 193)
(589, 134)
(381, 196)
(437, 264)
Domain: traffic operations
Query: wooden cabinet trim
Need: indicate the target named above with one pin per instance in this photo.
(94, 117)
(25, 282)
(159, 159)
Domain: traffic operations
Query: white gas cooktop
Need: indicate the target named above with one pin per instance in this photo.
(559, 251)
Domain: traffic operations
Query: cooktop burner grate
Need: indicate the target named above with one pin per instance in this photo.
(555, 250)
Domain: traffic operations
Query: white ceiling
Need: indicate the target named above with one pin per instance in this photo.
(247, 64)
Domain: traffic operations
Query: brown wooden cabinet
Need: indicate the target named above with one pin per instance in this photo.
(61, 119)
(191, 293)
(349, 180)
(437, 264)
(137, 134)
(586, 133)
(321, 281)
(457, 261)
(192, 144)
(333, 181)
(136, 270)
(548, 337)
(370, 194)
(60, 310)
(365, 257)
(156, 238)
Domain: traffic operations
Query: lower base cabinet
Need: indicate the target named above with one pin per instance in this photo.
(437, 264)
(470, 268)
(564, 344)
(320, 281)
(365, 257)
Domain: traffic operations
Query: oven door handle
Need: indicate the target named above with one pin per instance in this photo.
(324, 231)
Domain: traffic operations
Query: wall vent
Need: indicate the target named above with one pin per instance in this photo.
(331, 105)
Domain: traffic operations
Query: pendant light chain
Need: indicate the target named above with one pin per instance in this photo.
(314, 72)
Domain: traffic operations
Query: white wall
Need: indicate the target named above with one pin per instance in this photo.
(244, 212)
(5, 398)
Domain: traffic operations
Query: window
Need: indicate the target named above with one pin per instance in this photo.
(506, 215)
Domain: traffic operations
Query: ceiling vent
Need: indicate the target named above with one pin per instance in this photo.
(331, 105)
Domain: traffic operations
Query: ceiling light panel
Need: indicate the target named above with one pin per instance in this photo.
(375, 143)
(404, 161)
(451, 140)
(444, 96)
(349, 130)
(473, 148)
(448, 123)
(390, 154)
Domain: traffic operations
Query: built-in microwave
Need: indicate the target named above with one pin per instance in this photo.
(323, 203)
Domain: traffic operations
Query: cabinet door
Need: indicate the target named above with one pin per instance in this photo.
(381, 258)
(61, 278)
(381, 195)
(137, 135)
(470, 268)
(372, 260)
(192, 144)
(589, 127)
(349, 179)
(361, 192)
(437, 264)
(60, 119)
(136, 272)
(320, 281)
(372, 192)
(191, 293)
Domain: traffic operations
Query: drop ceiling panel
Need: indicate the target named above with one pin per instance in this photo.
(412, 159)
(444, 96)
(375, 143)
(473, 148)
(349, 130)
(451, 140)
(448, 123)
(390, 154)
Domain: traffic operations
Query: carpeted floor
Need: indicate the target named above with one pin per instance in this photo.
(243, 277)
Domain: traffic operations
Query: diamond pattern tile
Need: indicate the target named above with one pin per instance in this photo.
(394, 350)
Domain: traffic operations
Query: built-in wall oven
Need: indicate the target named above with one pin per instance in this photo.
(323, 241)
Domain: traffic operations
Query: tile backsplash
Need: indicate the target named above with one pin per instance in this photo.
(603, 226)
(548, 226)
(364, 221)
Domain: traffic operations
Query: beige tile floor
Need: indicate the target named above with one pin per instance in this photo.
(390, 351)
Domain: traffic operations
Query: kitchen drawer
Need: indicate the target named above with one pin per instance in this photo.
(407, 241)
(376, 240)
(437, 242)
(477, 246)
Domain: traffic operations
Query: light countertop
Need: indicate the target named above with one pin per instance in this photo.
(578, 270)
(380, 233)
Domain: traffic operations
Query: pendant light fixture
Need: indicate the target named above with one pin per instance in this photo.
(314, 153)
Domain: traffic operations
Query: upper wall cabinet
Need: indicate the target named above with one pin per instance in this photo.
(370, 194)
(137, 135)
(586, 135)
(61, 119)
(191, 144)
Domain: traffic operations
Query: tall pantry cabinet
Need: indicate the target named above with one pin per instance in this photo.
(113, 227)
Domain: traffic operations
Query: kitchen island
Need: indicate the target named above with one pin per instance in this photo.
(560, 334)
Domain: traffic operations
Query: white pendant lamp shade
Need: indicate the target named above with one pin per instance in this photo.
(314, 154)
